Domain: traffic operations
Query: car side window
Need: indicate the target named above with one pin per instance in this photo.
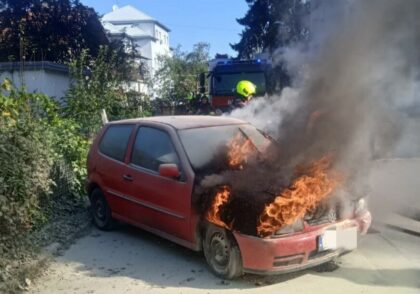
(115, 140)
(152, 148)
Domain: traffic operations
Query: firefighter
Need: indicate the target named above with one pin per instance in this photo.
(194, 101)
(204, 108)
(244, 93)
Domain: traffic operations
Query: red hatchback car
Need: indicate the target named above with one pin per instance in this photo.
(143, 172)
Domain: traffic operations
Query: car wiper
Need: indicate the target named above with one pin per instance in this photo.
(248, 138)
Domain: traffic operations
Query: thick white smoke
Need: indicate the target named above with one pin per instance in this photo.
(267, 114)
(361, 69)
(355, 87)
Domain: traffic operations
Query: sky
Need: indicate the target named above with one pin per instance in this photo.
(190, 21)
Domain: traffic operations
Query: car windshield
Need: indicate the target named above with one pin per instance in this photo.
(207, 147)
(226, 83)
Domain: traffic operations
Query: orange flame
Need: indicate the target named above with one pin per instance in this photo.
(312, 186)
(213, 213)
(240, 150)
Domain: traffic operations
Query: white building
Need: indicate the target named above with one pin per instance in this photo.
(150, 37)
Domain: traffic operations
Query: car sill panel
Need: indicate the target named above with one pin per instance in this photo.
(147, 204)
(182, 242)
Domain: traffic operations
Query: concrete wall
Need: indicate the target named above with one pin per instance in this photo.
(162, 37)
(54, 84)
(148, 27)
(152, 49)
(161, 45)
(144, 47)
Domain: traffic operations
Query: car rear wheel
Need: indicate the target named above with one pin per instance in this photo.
(222, 252)
(101, 212)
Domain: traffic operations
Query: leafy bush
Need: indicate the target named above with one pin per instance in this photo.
(99, 84)
(34, 141)
(43, 145)
(25, 165)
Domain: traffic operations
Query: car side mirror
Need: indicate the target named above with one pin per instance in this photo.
(169, 170)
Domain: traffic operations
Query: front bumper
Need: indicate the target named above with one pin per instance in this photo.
(293, 252)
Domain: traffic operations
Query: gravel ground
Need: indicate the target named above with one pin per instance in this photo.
(132, 261)
(30, 260)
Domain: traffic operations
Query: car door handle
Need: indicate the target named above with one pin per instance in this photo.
(128, 178)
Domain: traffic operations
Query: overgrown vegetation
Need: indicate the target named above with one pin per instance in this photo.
(43, 150)
(44, 143)
(104, 83)
(35, 144)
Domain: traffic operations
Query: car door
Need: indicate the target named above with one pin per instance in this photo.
(161, 203)
(110, 165)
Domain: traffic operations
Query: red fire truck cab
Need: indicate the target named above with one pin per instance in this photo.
(224, 74)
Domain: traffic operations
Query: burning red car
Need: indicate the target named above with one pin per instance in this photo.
(149, 173)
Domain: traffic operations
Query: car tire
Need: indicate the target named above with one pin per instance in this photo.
(222, 253)
(101, 213)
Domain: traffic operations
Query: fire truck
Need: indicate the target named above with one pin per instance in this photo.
(224, 74)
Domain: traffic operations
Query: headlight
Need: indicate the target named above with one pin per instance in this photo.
(296, 227)
(360, 206)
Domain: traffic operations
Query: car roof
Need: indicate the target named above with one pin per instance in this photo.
(181, 122)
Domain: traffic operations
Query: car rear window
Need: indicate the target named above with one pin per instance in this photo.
(152, 148)
(115, 140)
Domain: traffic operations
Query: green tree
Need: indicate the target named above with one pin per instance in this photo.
(178, 74)
(54, 30)
(271, 24)
(104, 83)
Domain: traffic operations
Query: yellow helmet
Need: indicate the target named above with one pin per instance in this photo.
(246, 88)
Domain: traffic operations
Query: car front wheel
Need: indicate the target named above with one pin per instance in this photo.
(222, 252)
(101, 212)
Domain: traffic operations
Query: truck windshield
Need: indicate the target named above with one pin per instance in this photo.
(207, 147)
(225, 84)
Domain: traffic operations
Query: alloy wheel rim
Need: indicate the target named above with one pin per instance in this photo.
(100, 210)
(219, 251)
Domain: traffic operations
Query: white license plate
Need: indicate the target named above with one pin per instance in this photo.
(338, 238)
